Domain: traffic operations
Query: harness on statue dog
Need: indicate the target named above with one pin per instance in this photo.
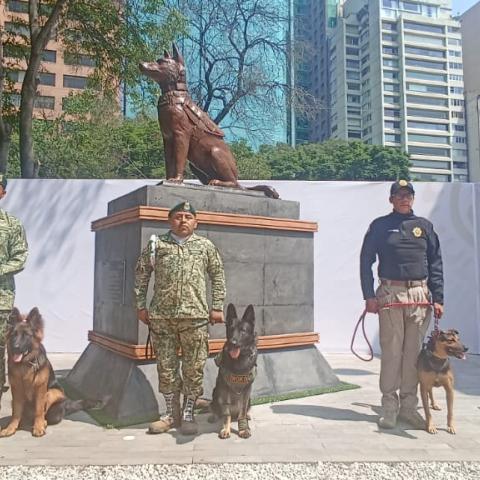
(195, 114)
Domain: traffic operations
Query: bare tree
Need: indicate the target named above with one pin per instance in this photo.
(238, 55)
(5, 127)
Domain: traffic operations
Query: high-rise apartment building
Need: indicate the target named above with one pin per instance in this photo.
(396, 79)
(471, 68)
(314, 22)
(59, 74)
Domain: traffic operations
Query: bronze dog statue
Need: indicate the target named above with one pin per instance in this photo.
(434, 370)
(188, 132)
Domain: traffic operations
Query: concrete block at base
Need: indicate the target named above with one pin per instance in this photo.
(132, 387)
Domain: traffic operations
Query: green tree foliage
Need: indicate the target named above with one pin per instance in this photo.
(250, 165)
(336, 160)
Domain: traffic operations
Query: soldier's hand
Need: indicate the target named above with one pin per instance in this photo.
(216, 316)
(438, 310)
(371, 305)
(142, 315)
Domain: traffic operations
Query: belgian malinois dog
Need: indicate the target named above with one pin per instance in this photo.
(434, 370)
(237, 364)
(188, 132)
(36, 395)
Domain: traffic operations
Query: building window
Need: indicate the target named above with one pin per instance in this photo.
(352, 51)
(431, 164)
(412, 62)
(434, 77)
(429, 151)
(391, 112)
(18, 28)
(391, 125)
(426, 88)
(390, 62)
(428, 126)
(391, 87)
(47, 78)
(430, 177)
(456, 78)
(47, 103)
(391, 99)
(392, 138)
(426, 52)
(353, 63)
(391, 75)
(439, 102)
(457, 90)
(80, 59)
(457, 115)
(421, 40)
(422, 27)
(73, 81)
(16, 75)
(49, 56)
(461, 140)
(455, 41)
(351, 40)
(17, 6)
(354, 134)
(352, 75)
(455, 65)
(388, 37)
(390, 50)
(454, 53)
(353, 98)
(353, 86)
(428, 138)
(419, 112)
(456, 102)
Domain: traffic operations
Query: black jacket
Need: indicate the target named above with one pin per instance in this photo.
(407, 248)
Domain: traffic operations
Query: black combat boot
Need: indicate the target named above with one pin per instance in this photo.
(189, 425)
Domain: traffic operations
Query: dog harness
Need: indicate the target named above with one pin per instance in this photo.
(236, 382)
(194, 113)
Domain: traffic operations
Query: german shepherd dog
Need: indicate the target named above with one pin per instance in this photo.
(434, 370)
(237, 364)
(36, 396)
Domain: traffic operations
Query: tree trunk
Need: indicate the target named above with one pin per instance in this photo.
(5, 140)
(28, 164)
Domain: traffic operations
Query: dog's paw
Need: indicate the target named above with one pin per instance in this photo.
(435, 407)
(39, 431)
(7, 432)
(432, 429)
(224, 433)
(245, 433)
(451, 429)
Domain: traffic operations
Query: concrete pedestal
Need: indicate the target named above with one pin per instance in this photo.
(268, 257)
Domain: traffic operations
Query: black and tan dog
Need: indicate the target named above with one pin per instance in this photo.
(237, 364)
(36, 395)
(434, 370)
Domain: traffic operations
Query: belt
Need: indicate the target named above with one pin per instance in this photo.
(404, 283)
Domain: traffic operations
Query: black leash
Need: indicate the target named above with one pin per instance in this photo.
(149, 353)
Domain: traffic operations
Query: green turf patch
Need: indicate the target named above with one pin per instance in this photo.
(108, 422)
(304, 393)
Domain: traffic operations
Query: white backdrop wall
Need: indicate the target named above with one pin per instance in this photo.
(58, 277)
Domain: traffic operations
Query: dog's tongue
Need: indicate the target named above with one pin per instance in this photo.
(17, 357)
(463, 357)
(235, 352)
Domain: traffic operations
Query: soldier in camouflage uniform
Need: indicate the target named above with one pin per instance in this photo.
(178, 313)
(13, 254)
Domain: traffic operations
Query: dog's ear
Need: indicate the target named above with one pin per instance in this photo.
(177, 56)
(36, 321)
(166, 54)
(249, 315)
(231, 312)
(15, 316)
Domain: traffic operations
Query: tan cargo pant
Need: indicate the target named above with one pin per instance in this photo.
(402, 330)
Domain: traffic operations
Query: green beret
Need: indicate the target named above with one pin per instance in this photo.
(3, 180)
(183, 207)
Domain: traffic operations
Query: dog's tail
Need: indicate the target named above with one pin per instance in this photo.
(66, 407)
(270, 192)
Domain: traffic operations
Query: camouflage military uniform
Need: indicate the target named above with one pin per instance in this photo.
(13, 254)
(179, 306)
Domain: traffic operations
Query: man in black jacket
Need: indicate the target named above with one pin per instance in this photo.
(411, 273)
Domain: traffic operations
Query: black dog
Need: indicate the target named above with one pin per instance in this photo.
(237, 364)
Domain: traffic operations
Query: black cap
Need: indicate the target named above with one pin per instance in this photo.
(3, 181)
(399, 184)
(183, 207)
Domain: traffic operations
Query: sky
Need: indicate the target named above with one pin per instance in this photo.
(460, 6)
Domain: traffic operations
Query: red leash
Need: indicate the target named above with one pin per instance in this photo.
(361, 321)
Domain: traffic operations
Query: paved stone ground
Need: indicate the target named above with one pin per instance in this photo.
(339, 427)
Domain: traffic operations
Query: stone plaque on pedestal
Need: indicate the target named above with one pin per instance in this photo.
(268, 257)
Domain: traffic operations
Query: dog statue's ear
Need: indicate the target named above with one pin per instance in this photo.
(166, 54)
(249, 315)
(231, 313)
(15, 316)
(177, 56)
(36, 321)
